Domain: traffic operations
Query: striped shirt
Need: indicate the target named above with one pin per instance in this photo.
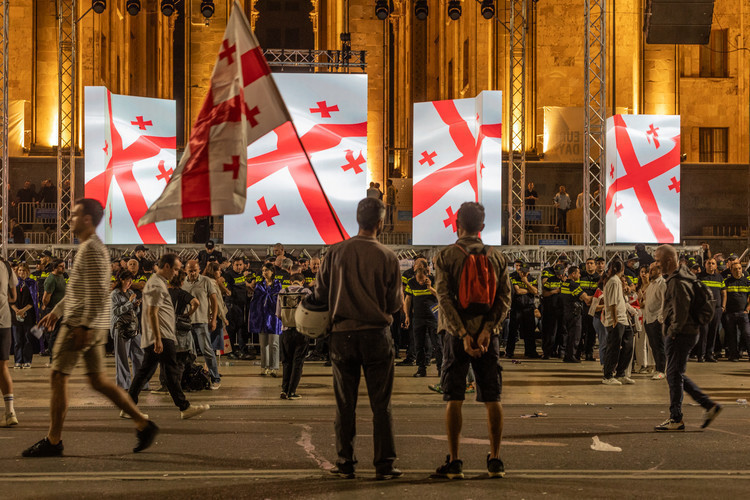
(87, 301)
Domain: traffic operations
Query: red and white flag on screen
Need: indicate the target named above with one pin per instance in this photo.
(242, 105)
(130, 155)
(643, 179)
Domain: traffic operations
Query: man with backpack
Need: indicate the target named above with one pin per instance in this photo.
(293, 343)
(685, 301)
(474, 297)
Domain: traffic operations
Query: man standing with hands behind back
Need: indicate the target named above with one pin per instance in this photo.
(471, 339)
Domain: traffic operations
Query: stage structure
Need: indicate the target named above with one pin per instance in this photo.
(517, 26)
(285, 201)
(66, 98)
(4, 192)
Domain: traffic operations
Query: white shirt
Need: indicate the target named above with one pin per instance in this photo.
(653, 299)
(202, 290)
(155, 294)
(5, 319)
(613, 296)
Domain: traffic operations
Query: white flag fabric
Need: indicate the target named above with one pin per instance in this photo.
(242, 105)
(457, 158)
(285, 202)
(130, 156)
(643, 179)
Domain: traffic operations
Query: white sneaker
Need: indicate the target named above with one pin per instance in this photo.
(626, 380)
(611, 381)
(215, 386)
(658, 376)
(193, 411)
(9, 420)
(274, 373)
(125, 415)
(26, 366)
(264, 372)
(17, 366)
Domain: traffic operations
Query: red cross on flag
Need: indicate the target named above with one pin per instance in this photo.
(285, 202)
(457, 158)
(130, 155)
(643, 179)
(242, 105)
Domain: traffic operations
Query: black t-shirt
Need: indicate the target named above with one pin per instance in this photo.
(23, 299)
(236, 285)
(309, 277)
(570, 294)
(26, 195)
(180, 300)
(715, 283)
(527, 193)
(282, 277)
(549, 285)
(422, 301)
(527, 299)
(737, 292)
(204, 258)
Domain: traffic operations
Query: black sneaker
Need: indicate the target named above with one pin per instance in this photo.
(247, 357)
(233, 355)
(391, 473)
(345, 471)
(710, 415)
(146, 436)
(44, 448)
(495, 467)
(421, 372)
(450, 470)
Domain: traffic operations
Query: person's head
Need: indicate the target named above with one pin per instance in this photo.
(643, 273)
(268, 272)
(590, 265)
(58, 267)
(616, 268)
(27, 184)
(140, 252)
(315, 264)
(212, 270)
(559, 270)
(377, 185)
(13, 223)
(169, 265)
(388, 183)
(304, 264)
(370, 215)
(23, 271)
(710, 265)
(278, 249)
(736, 269)
(123, 280)
(46, 257)
(297, 279)
(86, 216)
(372, 184)
(116, 268)
(574, 273)
(210, 246)
(178, 279)
(133, 266)
(654, 270)
(531, 186)
(632, 261)
(562, 189)
(419, 262)
(286, 264)
(421, 275)
(193, 269)
(470, 219)
(601, 265)
(667, 257)
(238, 264)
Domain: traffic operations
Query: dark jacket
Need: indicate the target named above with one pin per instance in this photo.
(677, 299)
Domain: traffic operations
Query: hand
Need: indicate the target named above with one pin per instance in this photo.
(471, 348)
(212, 324)
(484, 340)
(48, 322)
(158, 346)
(406, 322)
(81, 337)
(428, 282)
(132, 298)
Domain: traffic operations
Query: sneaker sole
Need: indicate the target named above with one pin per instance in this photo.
(708, 421)
(460, 475)
(387, 477)
(496, 474)
(344, 475)
(185, 417)
(670, 430)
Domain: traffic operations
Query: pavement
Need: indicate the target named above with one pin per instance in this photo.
(251, 444)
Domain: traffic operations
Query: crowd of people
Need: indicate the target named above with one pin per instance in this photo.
(155, 314)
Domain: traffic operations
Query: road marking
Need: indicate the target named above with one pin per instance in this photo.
(468, 440)
(305, 441)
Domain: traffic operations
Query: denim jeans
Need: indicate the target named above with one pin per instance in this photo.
(24, 343)
(269, 351)
(678, 350)
(126, 352)
(200, 330)
(656, 341)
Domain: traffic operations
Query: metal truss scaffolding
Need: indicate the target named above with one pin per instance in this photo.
(4, 132)
(595, 125)
(517, 126)
(66, 67)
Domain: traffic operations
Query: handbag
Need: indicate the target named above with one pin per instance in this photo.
(127, 325)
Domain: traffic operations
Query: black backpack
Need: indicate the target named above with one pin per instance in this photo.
(703, 305)
(195, 379)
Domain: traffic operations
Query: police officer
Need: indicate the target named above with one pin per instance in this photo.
(238, 285)
(736, 312)
(408, 330)
(589, 281)
(631, 270)
(421, 298)
(311, 272)
(572, 298)
(524, 288)
(727, 272)
(601, 265)
(714, 281)
(552, 312)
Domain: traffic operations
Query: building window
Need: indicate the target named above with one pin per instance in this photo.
(714, 145)
(451, 83)
(714, 56)
(466, 64)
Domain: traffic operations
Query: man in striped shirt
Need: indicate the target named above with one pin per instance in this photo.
(85, 310)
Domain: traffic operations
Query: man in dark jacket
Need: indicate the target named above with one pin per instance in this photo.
(360, 280)
(681, 332)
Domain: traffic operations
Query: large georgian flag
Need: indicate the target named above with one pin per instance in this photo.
(285, 201)
(130, 155)
(457, 158)
(643, 179)
(242, 105)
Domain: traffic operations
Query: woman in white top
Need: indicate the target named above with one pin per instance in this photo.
(619, 352)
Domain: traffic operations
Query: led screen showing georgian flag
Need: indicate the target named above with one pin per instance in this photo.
(285, 203)
(457, 158)
(130, 156)
(643, 179)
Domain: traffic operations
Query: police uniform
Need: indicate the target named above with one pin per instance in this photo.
(552, 314)
(405, 336)
(424, 323)
(282, 277)
(236, 304)
(522, 321)
(709, 331)
(309, 278)
(589, 283)
(738, 290)
(570, 297)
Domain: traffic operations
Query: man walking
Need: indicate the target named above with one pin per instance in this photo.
(204, 317)
(681, 332)
(471, 339)
(84, 334)
(360, 281)
(8, 283)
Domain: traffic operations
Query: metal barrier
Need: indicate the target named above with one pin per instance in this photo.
(541, 215)
(36, 213)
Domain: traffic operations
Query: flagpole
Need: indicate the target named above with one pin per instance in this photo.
(312, 167)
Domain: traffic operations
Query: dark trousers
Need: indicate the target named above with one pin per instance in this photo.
(678, 350)
(562, 219)
(573, 329)
(552, 326)
(411, 348)
(522, 324)
(656, 341)
(619, 350)
(709, 332)
(588, 336)
(293, 352)
(735, 322)
(425, 338)
(237, 327)
(23, 343)
(168, 361)
(370, 351)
